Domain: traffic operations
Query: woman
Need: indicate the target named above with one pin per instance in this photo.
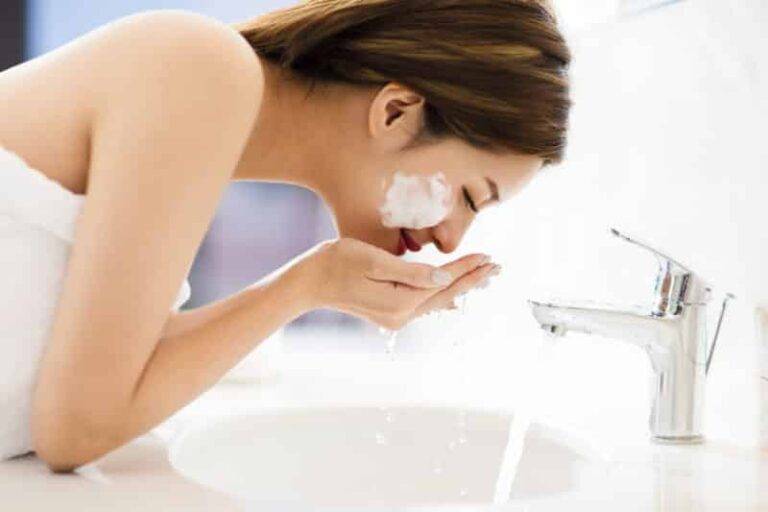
(407, 117)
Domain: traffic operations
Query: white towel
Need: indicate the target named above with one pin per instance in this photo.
(37, 223)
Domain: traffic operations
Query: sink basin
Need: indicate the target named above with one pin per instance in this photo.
(404, 456)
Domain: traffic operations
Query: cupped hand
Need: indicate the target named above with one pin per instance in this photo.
(366, 281)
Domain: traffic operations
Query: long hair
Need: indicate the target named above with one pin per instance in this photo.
(493, 72)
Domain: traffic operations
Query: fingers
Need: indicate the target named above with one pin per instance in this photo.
(444, 298)
(465, 264)
(422, 275)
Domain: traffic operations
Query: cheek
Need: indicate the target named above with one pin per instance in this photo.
(416, 202)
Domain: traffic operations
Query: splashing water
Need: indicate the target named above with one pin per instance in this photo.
(455, 339)
(461, 422)
(462, 309)
(391, 341)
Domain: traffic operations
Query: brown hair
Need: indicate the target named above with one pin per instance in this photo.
(492, 72)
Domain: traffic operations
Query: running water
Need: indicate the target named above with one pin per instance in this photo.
(518, 428)
(510, 461)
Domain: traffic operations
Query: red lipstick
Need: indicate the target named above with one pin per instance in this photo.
(400, 245)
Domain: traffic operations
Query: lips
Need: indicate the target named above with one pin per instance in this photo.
(412, 244)
(401, 247)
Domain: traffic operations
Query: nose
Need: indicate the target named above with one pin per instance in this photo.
(448, 235)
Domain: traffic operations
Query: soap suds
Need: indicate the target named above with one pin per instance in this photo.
(416, 202)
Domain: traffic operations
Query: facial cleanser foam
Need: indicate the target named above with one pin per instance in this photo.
(415, 201)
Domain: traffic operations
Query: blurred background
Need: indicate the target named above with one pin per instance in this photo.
(667, 143)
(259, 226)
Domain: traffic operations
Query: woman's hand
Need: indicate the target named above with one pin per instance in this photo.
(363, 280)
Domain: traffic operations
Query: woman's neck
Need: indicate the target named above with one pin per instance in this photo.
(289, 141)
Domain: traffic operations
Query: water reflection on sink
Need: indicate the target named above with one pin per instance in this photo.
(371, 456)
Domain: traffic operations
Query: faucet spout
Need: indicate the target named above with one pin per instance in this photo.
(635, 326)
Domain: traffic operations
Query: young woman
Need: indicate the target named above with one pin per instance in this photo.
(406, 117)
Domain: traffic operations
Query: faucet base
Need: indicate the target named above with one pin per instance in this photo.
(696, 439)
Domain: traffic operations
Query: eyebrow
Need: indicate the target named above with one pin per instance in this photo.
(494, 189)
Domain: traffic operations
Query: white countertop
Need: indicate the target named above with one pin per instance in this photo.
(605, 409)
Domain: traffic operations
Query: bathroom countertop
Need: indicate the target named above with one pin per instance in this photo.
(606, 410)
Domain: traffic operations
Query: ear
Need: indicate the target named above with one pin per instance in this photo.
(396, 116)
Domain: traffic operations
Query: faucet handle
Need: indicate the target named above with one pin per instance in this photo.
(676, 284)
(726, 298)
(664, 260)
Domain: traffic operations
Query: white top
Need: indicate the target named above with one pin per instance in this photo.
(37, 224)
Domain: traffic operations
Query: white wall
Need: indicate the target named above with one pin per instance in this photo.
(667, 143)
(668, 136)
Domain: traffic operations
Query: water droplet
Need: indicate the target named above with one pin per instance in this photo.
(462, 421)
(438, 470)
(452, 445)
(462, 303)
(462, 439)
(463, 492)
(389, 417)
(381, 438)
(391, 341)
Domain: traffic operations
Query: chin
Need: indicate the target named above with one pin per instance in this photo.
(393, 244)
(390, 240)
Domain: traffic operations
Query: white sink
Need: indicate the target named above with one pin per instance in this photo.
(404, 456)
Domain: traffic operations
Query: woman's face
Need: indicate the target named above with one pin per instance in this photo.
(400, 198)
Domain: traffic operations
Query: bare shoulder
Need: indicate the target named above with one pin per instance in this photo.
(139, 61)
(178, 46)
(179, 32)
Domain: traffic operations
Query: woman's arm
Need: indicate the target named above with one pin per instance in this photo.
(211, 341)
(173, 97)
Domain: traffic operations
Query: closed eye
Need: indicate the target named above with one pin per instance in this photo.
(469, 200)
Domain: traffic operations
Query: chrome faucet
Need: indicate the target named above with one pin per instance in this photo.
(673, 333)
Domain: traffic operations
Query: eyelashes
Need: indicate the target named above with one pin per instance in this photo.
(468, 200)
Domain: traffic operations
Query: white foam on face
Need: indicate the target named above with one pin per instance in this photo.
(416, 202)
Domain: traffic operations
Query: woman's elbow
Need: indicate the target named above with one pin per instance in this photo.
(59, 457)
(66, 445)
(57, 462)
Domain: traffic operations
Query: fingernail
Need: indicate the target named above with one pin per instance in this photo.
(441, 277)
(485, 259)
(495, 270)
(484, 283)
